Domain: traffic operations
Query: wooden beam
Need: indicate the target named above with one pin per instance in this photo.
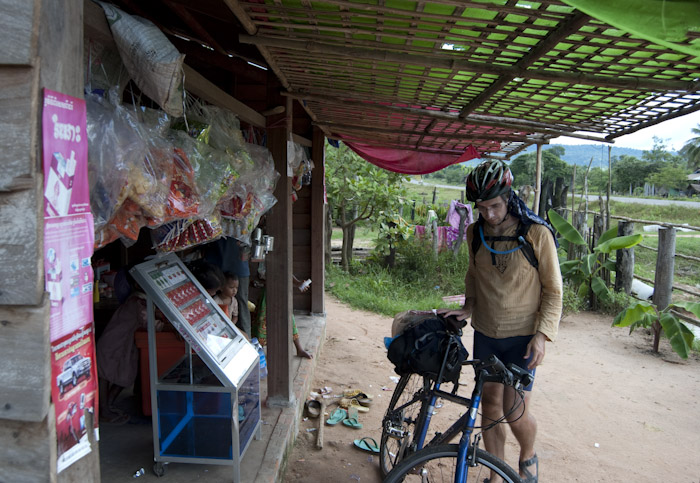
(538, 180)
(278, 265)
(318, 223)
(250, 27)
(198, 85)
(569, 27)
(473, 119)
(335, 127)
(451, 63)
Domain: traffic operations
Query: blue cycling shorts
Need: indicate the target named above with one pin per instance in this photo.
(508, 350)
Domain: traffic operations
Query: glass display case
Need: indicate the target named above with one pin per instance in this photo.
(206, 408)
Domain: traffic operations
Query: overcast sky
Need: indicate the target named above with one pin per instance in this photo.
(675, 133)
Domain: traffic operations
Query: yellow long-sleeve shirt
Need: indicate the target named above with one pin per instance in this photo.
(513, 298)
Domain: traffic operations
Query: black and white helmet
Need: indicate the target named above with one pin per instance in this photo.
(488, 180)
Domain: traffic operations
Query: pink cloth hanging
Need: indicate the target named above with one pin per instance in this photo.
(409, 162)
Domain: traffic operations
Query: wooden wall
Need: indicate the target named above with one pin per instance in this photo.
(42, 48)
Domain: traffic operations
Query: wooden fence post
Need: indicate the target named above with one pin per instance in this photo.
(598, 230)
(624, 260)
(663, 280)
(578, 220)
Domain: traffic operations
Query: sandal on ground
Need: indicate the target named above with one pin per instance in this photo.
(528, 477)
(313, 408)
(367, 444)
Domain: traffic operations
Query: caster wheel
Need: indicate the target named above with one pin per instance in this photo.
(158, 469)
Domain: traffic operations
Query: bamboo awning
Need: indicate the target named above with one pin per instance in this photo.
(439, 76)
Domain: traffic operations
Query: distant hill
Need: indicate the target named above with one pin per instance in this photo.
(581, 154)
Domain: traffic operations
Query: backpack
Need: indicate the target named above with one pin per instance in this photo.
(520, 236)
(421, 350)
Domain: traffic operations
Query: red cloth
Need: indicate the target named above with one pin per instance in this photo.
(410, 162)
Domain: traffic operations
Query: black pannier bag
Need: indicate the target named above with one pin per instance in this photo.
(421, 349)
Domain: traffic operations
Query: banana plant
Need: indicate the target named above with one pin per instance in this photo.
(584, 273)
(644, 314)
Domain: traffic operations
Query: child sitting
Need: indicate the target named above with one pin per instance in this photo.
(226, 297)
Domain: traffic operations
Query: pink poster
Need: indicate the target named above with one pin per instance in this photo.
(66, 189)
(68, 245)
(69, 238)
(73, 393)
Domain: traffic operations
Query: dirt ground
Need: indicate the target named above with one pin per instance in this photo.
(608, 409)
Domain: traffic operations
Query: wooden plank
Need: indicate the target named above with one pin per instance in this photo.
(301, 237)
(21, 247)
(61, 47)
(302, 205)
(279, 267)
(198, 85)
(318, 223)
(302, 221)
(25, 372)
(18, 34)
(28, 450)
(18, 126)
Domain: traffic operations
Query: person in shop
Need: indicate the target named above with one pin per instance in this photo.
(226, 296)
(232, 256)
(260, 325)
(117, 354)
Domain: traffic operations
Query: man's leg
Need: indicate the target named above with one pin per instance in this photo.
(492, 410)
(522, 423)
(243, 311)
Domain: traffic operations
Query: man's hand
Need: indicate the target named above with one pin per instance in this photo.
(535, 349)
(460, 314)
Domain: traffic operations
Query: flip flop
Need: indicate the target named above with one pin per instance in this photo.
(367, 444)
(529, 477)
(337, 416)
(361, 397)
(352, 423)
(348, 403)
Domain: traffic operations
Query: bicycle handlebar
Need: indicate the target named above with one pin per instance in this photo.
(493, 370)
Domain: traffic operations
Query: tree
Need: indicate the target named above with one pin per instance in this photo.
(553, 167)
(628, 173)
(670, 177)
(691, 150)
(357, 191)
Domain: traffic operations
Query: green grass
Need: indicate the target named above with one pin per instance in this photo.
(424, 194)
(419, 281)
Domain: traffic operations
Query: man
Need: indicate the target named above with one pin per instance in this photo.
(513, 295)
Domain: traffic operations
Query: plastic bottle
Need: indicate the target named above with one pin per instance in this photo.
(263, 360)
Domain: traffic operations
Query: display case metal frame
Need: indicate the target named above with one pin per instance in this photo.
(184, 411)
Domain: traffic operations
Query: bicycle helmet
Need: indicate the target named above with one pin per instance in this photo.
(488, 180)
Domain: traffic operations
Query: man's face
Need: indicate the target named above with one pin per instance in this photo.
(493, 210)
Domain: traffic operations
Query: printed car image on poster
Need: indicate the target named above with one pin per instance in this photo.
(74, 393)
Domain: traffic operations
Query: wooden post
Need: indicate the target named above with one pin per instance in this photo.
(663, 280)
(538, 180)
(318, 225)
(578, 220)
(607, 205)
(598, 230)
(434, 194)
(279, 263)
(624, 260)
(573, 192)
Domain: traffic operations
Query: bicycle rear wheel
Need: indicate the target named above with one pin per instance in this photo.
(436, 464)
(398, 425)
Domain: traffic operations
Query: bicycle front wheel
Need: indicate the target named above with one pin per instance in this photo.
(401, 420)
(437, 464)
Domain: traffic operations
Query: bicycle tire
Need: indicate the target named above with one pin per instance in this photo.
(398, 428)
(438, 464)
